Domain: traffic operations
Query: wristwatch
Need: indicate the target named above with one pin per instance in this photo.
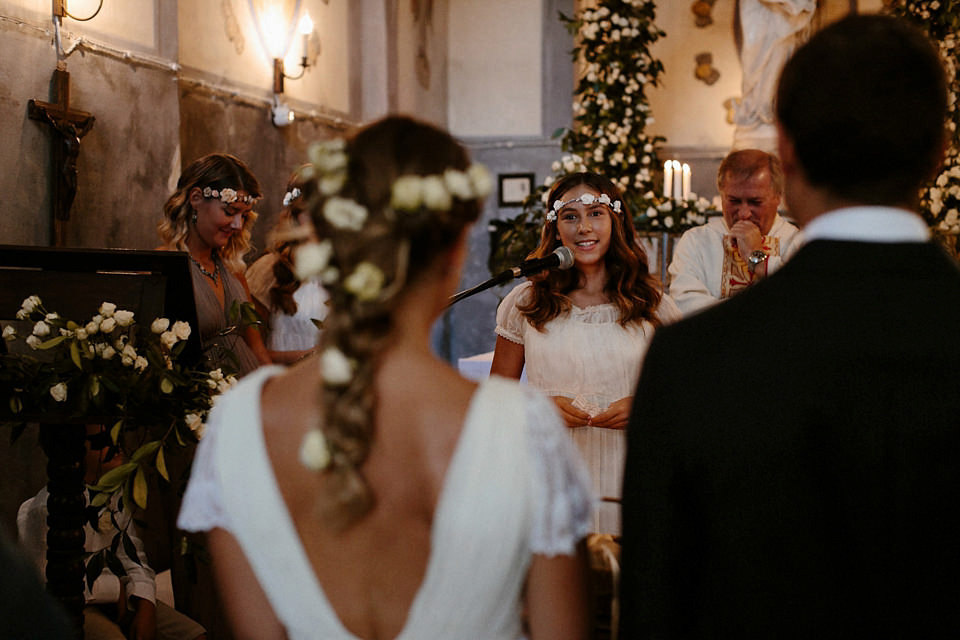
(756, 258)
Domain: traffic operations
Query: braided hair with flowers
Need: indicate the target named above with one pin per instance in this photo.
(389, 201)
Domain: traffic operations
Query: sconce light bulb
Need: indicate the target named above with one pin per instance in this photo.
(305, 27)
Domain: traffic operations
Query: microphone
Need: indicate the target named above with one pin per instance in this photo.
(561, 258)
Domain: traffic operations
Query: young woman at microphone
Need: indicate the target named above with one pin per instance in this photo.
(582, 332)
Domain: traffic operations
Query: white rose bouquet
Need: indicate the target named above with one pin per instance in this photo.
(108, 369)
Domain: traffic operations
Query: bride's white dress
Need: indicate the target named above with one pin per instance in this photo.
(514, 487)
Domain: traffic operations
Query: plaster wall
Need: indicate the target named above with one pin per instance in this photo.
(421, 59)
(224, 43)
(495, 67)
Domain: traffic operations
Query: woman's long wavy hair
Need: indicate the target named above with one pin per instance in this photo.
(217, 171)
(630, 286)
(406, 248)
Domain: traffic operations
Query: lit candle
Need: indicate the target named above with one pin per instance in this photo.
(667, 179)
(677, 180)
(686, 181)
(305, 28)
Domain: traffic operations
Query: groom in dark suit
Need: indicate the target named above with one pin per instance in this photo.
(793, 463)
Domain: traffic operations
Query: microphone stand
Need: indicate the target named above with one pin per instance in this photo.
(502, 277)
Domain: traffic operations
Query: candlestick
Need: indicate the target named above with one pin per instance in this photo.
(306, 29)
(667, 179)
(677, 180)
(686, 181)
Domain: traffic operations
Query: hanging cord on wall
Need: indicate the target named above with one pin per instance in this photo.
(70, 15)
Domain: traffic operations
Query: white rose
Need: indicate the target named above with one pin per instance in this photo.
(181, 329)
(481, 179)
(9, 333)
(159, 325)
(168, 339)
(129, 355)
(458, 183)
(331, 183)
(123, 318)
(407, 193)
(344, 214)
(335, 367)
(365, 281)
(66, 332)
(51, 317)
(59, 391)
(30, 304)
(328, 155)
(314, 452)
(92, 328)
(41, 329)
(216, 374)
(311, 258)
(330, 275)
(140, 363)
(34, 342)
(108, 325)
(435, 194)
(81, 334)
(196, 424)
(107, 309)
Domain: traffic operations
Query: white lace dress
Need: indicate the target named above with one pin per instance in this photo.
(514, 487)
(586, 355)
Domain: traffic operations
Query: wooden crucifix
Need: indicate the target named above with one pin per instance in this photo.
(69, 126)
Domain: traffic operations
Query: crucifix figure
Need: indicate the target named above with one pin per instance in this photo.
(69, 126)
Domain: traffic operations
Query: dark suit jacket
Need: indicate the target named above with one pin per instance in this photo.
(793, 461)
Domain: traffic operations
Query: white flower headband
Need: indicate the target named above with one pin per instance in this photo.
(587, 199)
(290, 196)
(227, 195)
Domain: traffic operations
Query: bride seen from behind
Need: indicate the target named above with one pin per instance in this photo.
(370, 491)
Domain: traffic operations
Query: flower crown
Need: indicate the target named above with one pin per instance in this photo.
(586, 198)
(227, 195)
(290, 196)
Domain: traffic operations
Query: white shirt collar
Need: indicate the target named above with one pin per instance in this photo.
(867, 224)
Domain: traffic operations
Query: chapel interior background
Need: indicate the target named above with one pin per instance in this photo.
(170, 81)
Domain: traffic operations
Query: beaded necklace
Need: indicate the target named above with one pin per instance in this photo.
(216, 268)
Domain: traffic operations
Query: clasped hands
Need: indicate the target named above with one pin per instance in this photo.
(747, 237)
(615, 416)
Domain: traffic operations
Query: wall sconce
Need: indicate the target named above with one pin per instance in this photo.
(304, 28)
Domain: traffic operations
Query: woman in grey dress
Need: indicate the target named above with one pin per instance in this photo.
(210, 216)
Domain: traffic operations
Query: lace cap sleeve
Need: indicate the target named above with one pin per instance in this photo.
(509, 319)
(561, 485)
(202, 508)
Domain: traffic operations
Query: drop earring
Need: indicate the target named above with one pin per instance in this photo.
(193, 217)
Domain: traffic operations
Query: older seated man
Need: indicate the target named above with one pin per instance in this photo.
(724, 256)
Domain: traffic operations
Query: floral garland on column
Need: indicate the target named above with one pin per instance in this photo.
(940, 19)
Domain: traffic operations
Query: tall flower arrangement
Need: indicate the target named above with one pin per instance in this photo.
(940, 19)
(611, 114)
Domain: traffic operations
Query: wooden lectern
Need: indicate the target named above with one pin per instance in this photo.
(74, 282)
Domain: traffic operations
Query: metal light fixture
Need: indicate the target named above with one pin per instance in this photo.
(304, 28)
